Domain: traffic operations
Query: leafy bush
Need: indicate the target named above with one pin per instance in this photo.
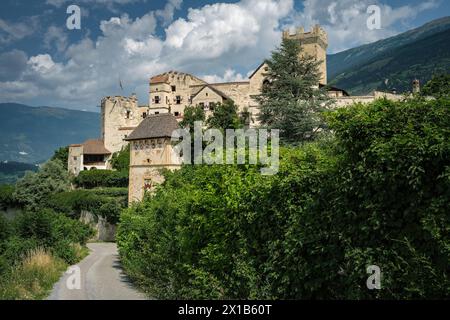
(376, 194)
(101, 178)
(120, 161)
(6, 196)
(34, 188)
(62, 155)
(107, 203)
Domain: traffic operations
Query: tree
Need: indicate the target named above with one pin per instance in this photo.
(34, 188)
(192, 114)
(225, 116)
(438, 86)
(291, 99)
(62, 154)
(120, 161)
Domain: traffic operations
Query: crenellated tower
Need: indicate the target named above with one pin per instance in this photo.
(314, 44)
(119, 117)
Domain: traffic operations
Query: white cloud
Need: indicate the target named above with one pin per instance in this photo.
(42, 63)
(345, 20)
(210, 41)
(56, 36)
(230, 75)
(168, 12)
(10, 32)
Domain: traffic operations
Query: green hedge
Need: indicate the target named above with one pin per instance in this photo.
(101, 178)
(106, 203)
(376, 194)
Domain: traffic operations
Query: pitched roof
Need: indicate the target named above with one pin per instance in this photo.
(161, 78)
(257, 69)
(331, 88)
(155, 126)
(95, 147)
(220, 93)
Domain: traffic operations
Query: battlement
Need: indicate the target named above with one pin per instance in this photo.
(317, 34)
(112, 99)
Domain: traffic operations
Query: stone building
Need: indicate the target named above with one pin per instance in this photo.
(119, 117)
(91, 154)
(124, 121)
(151, 150)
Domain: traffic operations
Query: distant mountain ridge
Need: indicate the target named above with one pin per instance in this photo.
(393, 62)
(32, 134)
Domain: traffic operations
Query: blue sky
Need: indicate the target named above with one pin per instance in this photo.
(44, 63)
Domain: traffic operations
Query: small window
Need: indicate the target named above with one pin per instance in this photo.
(128, 114)
(144, 115)
(178, 99)
(157, 99)
(174, 88)
(177, 114)
(206, 93)
(156, 112)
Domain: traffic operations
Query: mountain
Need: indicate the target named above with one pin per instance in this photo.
(393, 62)
(32, 134)
(11, 171)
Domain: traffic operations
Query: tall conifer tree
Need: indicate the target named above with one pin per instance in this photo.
(291, 99)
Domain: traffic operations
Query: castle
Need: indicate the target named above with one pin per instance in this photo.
(147, 128)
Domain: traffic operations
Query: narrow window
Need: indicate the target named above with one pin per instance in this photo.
(174, 88)
(157, 99)
(177, 114)
(178, 100)
(128, 114)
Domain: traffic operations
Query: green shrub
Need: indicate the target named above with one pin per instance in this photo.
(101, 178)
(376, 194)
(6, 196)
(120, 161)
(107, 203)
(33, 189)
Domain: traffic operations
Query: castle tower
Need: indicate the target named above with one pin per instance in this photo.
(119, 117)
(314, 44)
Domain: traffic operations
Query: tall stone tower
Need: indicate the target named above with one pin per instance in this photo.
(314, 44)
(119, 117)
